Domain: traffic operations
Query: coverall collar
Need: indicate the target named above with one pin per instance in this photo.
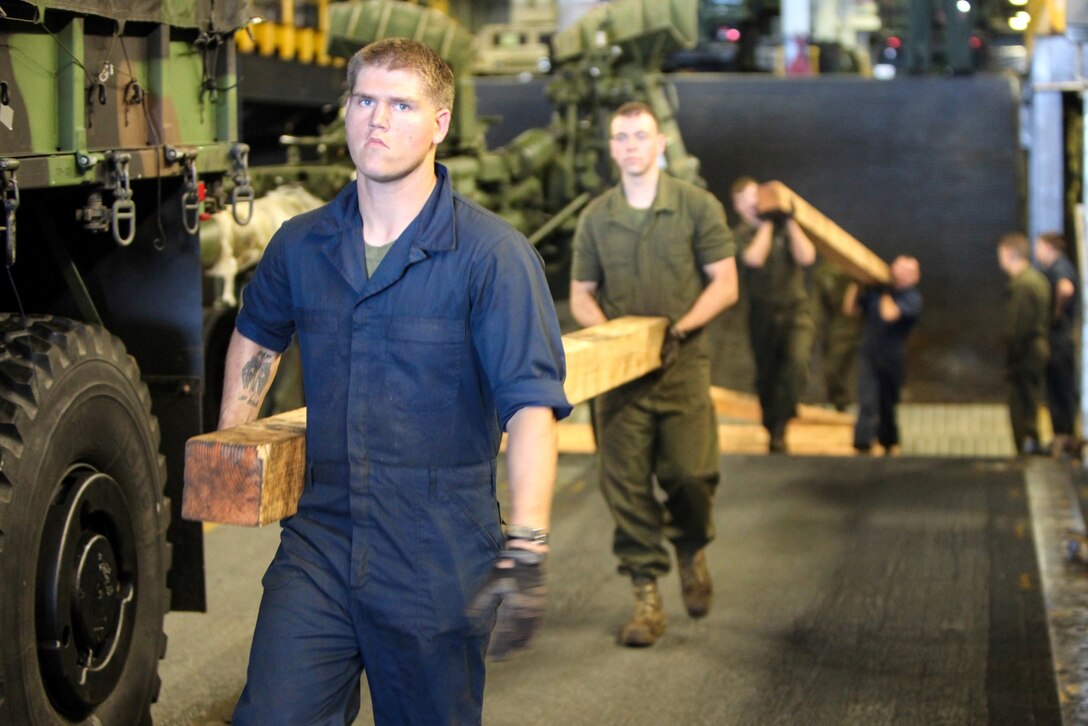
(432, 230)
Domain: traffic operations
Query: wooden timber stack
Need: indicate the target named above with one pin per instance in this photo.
(831, 240)
(253, 474)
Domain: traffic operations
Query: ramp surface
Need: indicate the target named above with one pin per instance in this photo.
(847, 591)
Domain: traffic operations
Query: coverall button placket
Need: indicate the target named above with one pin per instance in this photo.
(357, 425)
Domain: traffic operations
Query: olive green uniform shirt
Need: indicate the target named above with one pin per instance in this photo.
(1028, 318)
(651, 263)
(780, 283)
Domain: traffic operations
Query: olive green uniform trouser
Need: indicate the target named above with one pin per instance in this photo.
(1027, 386)
(781, 341)
(840, 352)
(661, 427)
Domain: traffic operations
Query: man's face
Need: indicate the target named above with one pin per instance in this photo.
(905, 272)
(746, 202)
(1045, 252)
(1005, 257)
(392, 127)
(635, 144)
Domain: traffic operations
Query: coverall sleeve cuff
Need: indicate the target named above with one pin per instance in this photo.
(545, 394)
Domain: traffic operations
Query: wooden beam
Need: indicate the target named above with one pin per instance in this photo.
(253, 474)
(250, 475)
(740, 406)
(605, 356)
(815, 431)
(831, 240)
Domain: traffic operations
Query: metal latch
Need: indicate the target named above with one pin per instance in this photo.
(123, 209)
(190, 198)
(243, 189)
(9, 193)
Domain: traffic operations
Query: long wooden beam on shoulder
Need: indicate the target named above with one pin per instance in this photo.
(253, 474)
(831, 240)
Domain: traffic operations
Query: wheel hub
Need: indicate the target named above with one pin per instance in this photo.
(86, 587)
(96, 600)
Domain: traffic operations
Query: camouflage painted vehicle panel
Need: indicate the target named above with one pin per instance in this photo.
(118, 129)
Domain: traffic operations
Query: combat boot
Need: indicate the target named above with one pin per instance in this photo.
(695, 584)
(647, 623)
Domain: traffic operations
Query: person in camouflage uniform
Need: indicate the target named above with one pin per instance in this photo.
(656, 245)
(1027, 351)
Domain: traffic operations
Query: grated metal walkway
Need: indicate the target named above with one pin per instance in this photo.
(967, 429)
(947, 430)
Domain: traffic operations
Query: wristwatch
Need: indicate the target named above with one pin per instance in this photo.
(523, 532)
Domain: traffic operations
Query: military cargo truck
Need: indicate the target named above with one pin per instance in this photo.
(118, 130)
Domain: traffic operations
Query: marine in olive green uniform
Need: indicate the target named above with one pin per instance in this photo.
(1027, 322)
(656, 245)
(838, 332)
(774, 254)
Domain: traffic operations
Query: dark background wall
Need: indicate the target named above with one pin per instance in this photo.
(927, 166)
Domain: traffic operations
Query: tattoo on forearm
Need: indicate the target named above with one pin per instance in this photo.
(255, 374)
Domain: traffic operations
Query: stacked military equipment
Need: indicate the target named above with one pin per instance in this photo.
(117, 131)
(541, 179)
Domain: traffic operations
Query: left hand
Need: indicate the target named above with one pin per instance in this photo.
(670, 347)
(515, 586)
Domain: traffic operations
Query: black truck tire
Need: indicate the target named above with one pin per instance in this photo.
(83, 519)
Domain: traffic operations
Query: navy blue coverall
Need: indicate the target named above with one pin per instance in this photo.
(410, 377)
(882, 366)
(1062, 389)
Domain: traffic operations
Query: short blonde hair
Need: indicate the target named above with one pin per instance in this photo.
(397, 54)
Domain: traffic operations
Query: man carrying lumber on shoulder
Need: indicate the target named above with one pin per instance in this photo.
(655, 245)
(426, 328)
(774, 253)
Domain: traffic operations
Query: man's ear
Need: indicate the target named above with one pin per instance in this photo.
(442, 125)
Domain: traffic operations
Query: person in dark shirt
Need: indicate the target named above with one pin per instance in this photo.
(889, 315)
(1027, 322)
(1062, 391)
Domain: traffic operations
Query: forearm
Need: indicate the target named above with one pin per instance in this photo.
(531, 453)
(1063, 299)
(889, 311)
(249, 371)
(850, 300)
(584, 308)
(759, 249)
(718, 295)
(804, 252)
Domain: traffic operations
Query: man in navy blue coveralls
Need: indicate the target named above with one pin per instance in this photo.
(889, 315)
(426, 328)
(1062, 390)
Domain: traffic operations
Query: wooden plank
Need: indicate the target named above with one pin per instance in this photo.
(831, 240)
(732, 404)
(605, 356)
(250, 475)
(802, 438)
(253, 474)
